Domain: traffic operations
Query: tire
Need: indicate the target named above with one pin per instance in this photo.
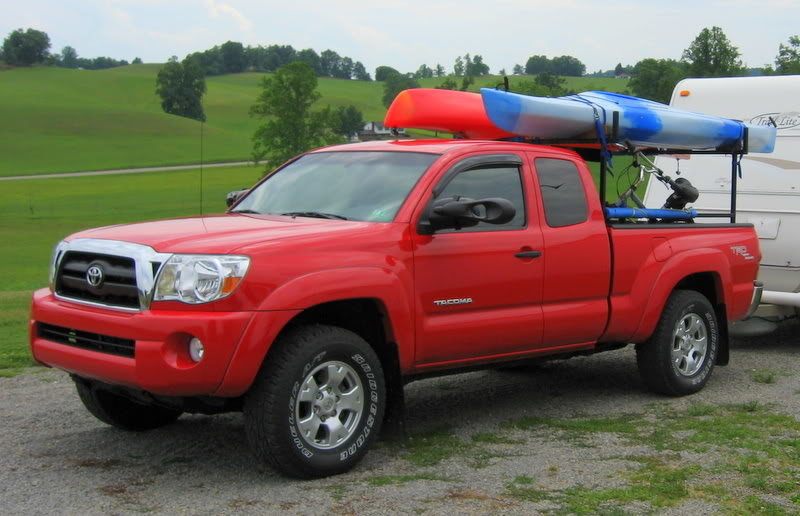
(317, 403)
(679, 357)
(121, 412)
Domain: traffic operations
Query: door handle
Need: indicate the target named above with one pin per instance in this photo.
(528, 254)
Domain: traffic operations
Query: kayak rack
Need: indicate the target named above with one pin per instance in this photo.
(588, 149)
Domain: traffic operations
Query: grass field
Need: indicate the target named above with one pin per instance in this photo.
(62, 120)
(36, 214)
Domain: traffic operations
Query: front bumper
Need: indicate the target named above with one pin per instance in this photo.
(235, 344)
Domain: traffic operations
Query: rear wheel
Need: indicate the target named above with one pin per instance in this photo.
(121, 412)
(679, 357)
(317, 403)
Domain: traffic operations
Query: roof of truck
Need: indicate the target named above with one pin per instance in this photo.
(439, 146)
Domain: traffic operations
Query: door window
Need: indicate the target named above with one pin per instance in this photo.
(486, 182)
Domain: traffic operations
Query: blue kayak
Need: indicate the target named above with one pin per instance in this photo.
(642, 122)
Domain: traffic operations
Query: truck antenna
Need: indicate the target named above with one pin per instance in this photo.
(202, 123)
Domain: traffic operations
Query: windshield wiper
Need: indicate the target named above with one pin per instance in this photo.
(246, 211)
(317, 214)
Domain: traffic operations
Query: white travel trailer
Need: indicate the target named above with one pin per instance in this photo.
(769, 188)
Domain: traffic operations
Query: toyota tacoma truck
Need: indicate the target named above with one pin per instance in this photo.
(355, 269)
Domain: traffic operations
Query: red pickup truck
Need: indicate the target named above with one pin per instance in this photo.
(355, 269)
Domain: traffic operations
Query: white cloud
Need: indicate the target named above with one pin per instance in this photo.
(217, 8)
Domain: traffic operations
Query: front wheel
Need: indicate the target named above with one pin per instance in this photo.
(317, 403)
(679, 357)
(121, 412)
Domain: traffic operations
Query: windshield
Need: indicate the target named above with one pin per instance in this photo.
(366, 186)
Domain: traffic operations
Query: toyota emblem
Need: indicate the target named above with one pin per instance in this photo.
(95, 275)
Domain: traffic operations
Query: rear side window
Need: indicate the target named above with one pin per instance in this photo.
(563, 196)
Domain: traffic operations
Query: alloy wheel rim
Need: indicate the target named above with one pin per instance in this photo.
(329, 405)
(689, 344)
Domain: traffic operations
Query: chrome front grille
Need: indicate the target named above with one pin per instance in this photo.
(105, 273)
(117, 287)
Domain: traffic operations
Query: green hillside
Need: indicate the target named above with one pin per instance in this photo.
(62, 120)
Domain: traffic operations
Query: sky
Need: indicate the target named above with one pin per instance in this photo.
(407, 33)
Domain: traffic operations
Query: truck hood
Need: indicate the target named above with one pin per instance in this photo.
(221, 234)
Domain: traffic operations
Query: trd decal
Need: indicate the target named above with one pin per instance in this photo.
(741, 250)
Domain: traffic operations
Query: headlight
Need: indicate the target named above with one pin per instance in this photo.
(199, 278)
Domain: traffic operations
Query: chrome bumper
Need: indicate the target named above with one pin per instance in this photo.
(758, 291)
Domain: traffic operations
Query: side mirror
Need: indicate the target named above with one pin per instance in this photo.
(232, 197)
(462, 212)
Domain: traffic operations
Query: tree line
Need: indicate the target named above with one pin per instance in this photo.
(234, 57)
(30, 47)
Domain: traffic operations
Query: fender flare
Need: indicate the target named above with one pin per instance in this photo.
(291, 298)
(378, 283)
(676, 269)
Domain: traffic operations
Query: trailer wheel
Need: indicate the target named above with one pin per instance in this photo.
(680, 355)
(121, 412)
(317, 404)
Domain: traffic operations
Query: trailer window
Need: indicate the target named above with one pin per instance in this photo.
(563, 196)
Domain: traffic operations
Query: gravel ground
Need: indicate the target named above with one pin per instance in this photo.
(56, 459)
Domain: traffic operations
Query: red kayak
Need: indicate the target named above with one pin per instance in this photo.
(457, 112)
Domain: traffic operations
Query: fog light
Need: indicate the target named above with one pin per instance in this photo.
(196, 349)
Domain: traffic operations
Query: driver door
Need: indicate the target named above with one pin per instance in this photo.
(479, 289)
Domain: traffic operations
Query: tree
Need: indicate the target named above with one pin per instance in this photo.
(209, 61)
(618, 70)
(137, 60)
(518, 69)
(345, 69)
(383, 72)
(233, 57)
(788, 59)
(423, 72)
(289, 126)
(310, 57)
(69, 57)
(655, 79)
(394, 84)
(26, 48)
(567, 65)
(330, 63)
(712, 55)
(502, 72)
(348, 120)
(476, 67)
(181, 87)
(458, 67)
(448, 84)
(439, 70)
(553, 83)
(360, 73)
(537, 64)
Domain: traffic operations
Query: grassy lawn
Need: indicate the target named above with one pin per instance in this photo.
(36, 214)
(62, 120)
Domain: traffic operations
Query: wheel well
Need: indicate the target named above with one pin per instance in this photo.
(368, 319)
(707, 283)
(364, 317)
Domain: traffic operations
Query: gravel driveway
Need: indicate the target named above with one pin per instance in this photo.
(492, 441)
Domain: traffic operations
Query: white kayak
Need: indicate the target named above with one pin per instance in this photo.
(642, 122)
